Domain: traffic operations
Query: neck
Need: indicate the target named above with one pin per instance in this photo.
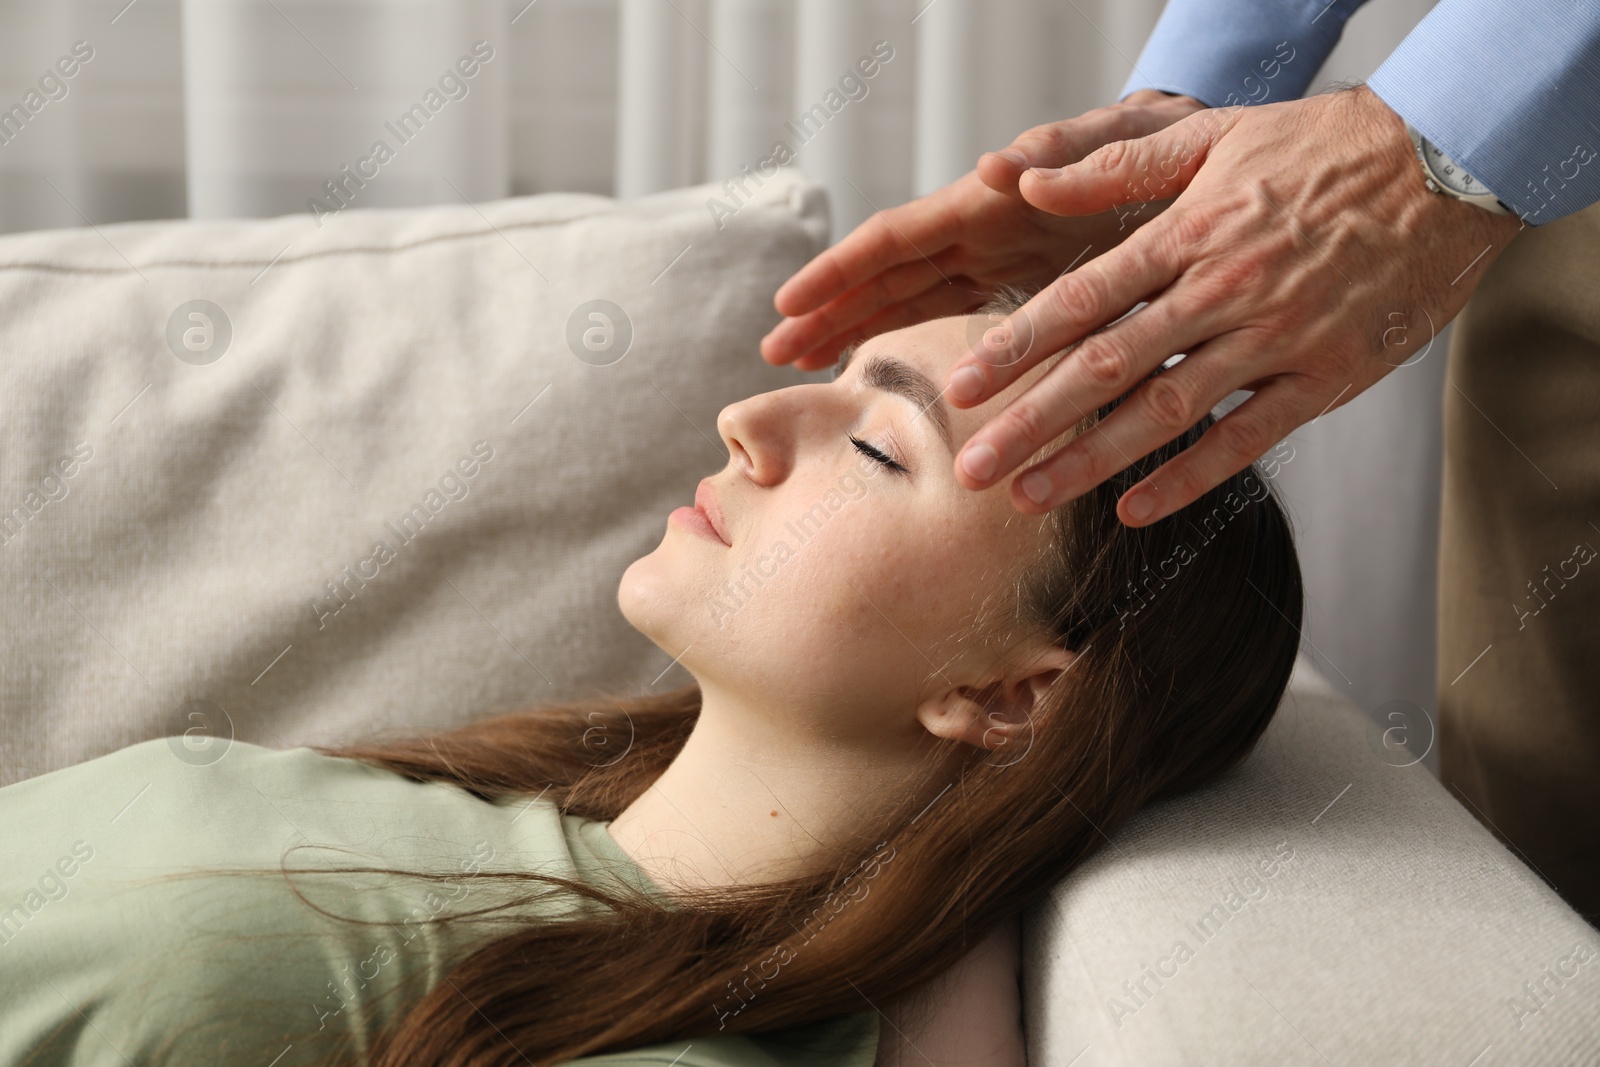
(755, 797)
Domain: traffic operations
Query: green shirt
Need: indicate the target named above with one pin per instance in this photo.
(107, 959)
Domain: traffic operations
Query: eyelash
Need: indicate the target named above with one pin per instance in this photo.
(877, 455)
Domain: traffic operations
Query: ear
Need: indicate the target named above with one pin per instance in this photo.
(1000, 712)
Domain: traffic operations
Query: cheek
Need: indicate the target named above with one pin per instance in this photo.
(933, 547)
(891, 581)
(815, 555)
(820, 573)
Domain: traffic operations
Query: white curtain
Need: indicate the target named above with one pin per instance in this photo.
(232, 108)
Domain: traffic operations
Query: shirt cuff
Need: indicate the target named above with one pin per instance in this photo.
(1229, 52)
(1514, 101)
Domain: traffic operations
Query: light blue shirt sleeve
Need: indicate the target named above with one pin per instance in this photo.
(1228, 52)
(1510, 91)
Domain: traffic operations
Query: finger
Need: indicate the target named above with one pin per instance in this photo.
(1057, 144)
(886, 239)
(935, 303)
(1067, 309)
(1160, 409)
(1053, 144)
(1103, 367)
(1238, 439)
(1154, 167)
(796, 337)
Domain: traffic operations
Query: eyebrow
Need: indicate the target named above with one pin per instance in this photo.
(902, 379)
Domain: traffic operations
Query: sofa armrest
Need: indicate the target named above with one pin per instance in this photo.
(1326, 902)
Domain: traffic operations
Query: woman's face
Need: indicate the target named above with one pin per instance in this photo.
(847, 590)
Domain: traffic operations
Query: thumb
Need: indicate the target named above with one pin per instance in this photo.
(1058, 144)
(1055, 144)
(1157, 166)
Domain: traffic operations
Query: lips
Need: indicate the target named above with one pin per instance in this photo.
(705, 499)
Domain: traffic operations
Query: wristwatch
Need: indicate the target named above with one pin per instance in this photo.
(1445, 176)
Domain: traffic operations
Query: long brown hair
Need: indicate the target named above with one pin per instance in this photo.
(1186, 631)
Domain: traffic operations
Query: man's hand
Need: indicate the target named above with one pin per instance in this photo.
(1303, 259)
(942, 254)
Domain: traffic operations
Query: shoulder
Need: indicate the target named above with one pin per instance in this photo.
(839, 1041)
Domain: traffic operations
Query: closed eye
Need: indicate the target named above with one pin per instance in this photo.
(867, 450)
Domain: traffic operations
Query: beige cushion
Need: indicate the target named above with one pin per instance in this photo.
(1332, 906)
(185, 557)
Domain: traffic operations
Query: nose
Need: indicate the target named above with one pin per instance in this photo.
(765, 433)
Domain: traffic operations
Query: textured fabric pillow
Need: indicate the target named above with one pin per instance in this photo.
(1325, 903)
(294, 483)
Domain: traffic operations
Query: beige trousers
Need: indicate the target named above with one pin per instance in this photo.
(1519, 561)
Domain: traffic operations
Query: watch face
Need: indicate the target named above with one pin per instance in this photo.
(1448, 172)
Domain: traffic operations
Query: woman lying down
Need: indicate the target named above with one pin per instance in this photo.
(915, 710)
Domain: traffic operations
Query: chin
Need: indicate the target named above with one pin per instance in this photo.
(669, 596)
(646, 597)
(659, 596)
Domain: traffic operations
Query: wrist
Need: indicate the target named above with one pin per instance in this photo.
(1390, 136)
(1164, 99)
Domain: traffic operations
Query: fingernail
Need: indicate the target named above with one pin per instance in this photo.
(1036, 486)
(966, 382)
(1140, 506)
(1046, 172)
(1014, 156)
(980, 461)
